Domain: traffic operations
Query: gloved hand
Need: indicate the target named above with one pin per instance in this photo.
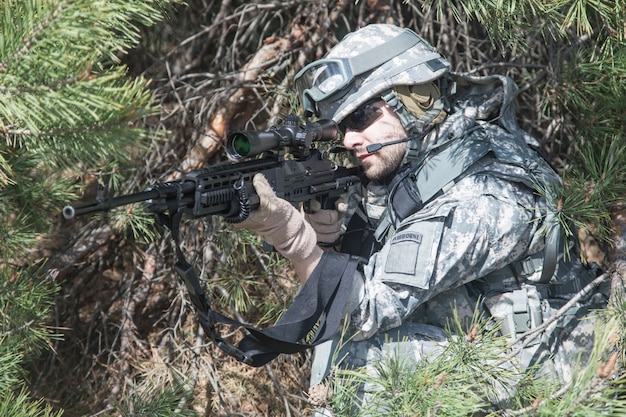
(327, 223)
(283, 227)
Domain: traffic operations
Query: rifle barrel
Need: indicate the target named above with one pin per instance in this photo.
(70, 212)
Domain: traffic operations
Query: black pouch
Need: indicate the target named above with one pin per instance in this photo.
(405, 197)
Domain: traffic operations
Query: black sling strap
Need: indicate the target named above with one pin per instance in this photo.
(322, 299)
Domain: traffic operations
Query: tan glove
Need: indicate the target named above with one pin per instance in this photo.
(283, 227)
(327, 223)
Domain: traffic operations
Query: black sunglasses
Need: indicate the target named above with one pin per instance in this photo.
(363, 117)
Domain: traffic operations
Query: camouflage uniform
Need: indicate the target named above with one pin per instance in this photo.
(478, 233)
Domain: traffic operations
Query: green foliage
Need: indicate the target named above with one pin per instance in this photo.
(593, 92)
(590, 87)
(154, 401)
(21, 406)
(469, 377)
(10, 368)
(64, 95)
(505, 22)
(32, 182)
(66, 104)
(509, 24)
(398, 386)
(597, 388)
(595, 186)
(25, 300)
(236, 284)
(142, 225)
(232, 278)
(617, 314)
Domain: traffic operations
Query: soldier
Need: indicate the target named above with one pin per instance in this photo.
(451, 219)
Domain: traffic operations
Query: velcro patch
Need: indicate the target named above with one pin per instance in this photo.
(410, 255)
(403, 254)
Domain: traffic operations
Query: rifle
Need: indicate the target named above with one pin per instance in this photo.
(226, 189)
(298, 173)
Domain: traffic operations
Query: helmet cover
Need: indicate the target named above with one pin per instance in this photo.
(417, 64)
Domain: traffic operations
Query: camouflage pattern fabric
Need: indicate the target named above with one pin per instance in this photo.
(417, 65)
(460, 247)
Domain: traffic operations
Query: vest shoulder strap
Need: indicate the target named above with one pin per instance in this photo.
(443, 168)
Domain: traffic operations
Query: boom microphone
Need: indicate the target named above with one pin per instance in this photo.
(375, 147)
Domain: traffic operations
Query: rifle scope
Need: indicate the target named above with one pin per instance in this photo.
(249, 143)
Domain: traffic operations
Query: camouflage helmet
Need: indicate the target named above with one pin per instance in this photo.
(363, 65)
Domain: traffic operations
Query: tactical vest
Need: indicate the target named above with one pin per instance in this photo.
(436, 171)
(476, 152)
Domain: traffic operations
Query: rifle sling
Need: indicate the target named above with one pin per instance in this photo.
(321, 301)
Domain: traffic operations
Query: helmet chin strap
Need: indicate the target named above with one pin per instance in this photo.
(408, 119)
(411, 123)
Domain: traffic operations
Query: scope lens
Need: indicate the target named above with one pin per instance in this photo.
(241, 145)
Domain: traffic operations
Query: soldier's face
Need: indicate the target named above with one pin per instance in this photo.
(378, 124)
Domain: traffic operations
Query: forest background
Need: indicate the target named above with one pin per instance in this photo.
(120, 94)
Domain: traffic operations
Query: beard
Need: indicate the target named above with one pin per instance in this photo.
(381, 164)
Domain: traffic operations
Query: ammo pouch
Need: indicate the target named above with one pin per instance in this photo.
(517, 311)
(520, 303)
